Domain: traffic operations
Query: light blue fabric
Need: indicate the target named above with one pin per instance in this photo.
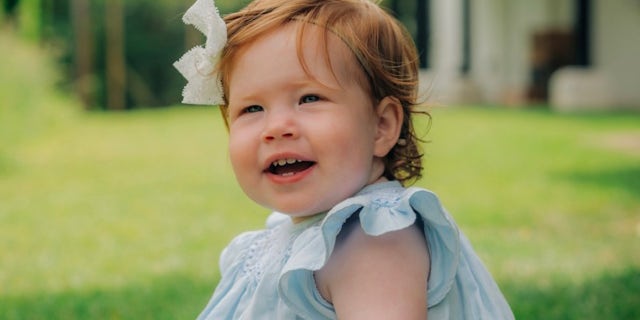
(268, 274)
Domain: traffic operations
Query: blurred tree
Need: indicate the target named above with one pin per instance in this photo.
(415, 16)
(192, 37)
(119, 54)
(83, 62)
(115, 63)
(155, 38)
(3, 10)
(30, 19)
(8, 6)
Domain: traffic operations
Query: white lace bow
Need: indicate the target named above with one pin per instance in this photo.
(204, 85)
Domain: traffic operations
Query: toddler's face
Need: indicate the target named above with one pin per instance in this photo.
(300, 144)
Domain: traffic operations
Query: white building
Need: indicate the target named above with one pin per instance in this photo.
(573, 54)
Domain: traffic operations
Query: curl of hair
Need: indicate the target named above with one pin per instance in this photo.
(383, 47)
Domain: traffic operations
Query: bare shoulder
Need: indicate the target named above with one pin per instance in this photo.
(377, 277)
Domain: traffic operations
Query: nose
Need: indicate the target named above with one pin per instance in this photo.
(279, 125)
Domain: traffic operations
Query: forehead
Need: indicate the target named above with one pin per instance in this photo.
(322, 55)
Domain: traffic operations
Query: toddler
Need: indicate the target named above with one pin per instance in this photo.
(318, 97)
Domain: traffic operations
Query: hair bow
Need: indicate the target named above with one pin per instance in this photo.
(204, 85)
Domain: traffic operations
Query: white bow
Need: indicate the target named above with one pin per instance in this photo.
(204, 86)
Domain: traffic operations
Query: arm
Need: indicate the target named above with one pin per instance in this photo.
(383, 277)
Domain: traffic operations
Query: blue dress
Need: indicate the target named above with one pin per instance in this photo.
(268, 274)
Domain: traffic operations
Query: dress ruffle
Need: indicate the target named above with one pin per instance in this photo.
(393, 209)
(268, 274)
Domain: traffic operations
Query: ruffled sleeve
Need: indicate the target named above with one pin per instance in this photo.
(382, 208)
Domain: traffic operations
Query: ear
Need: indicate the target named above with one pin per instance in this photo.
(390, 117)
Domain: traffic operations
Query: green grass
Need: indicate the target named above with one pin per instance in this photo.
(551, 203)
(123, 215)
(564, 198)
(115, 205)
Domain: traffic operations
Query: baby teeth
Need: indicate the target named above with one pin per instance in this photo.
(283, 162)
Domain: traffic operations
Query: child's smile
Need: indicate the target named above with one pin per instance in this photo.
(300, 142)
(289, 167)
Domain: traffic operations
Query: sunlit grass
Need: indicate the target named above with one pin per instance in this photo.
(96, 196)
(117, 205)
(545, 186)
(111, 207)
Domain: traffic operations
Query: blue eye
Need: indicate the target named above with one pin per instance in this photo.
(252, 109)
(309, 99)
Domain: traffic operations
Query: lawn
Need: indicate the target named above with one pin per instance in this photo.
(123, 215)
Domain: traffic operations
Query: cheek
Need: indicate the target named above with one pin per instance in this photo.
(354, 143)
(241, 152)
